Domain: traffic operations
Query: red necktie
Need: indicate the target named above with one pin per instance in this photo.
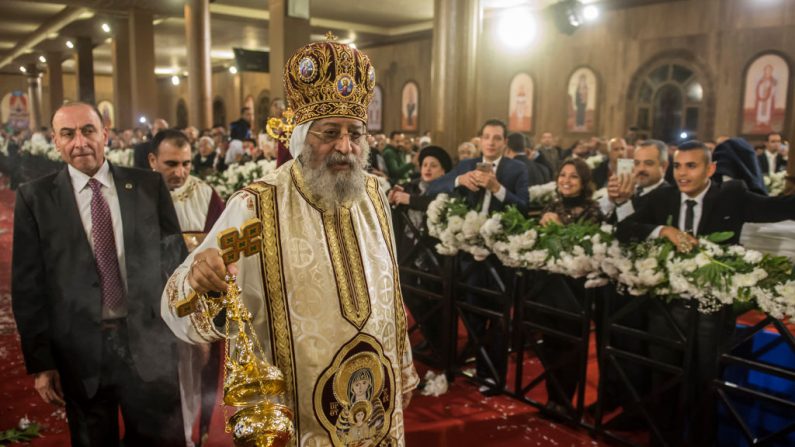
(105, 248)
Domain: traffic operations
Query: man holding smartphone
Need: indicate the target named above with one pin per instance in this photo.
(489, 183)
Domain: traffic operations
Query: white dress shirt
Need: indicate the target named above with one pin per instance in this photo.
(83, 196)
(771, 162)
(698, 209)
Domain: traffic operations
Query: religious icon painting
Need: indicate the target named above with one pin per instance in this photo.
(409, 105)
(108, 113)
(765, 95)
(375, 110)
(581, 99)
(15, 110)
(354, 396)
(344, 86)
(520, 104)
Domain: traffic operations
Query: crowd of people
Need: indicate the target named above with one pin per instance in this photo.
(97, 245)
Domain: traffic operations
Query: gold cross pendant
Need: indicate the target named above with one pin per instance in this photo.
(233, 243)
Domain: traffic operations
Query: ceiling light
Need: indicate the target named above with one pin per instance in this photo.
(106, 27)
(233, 69)
(175, 80)
(42, 59)
(69, 44)
(23, 69)
(590, 13)
(517, 27)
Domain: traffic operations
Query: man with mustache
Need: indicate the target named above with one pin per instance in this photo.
(93, 244)
(628, 192)
(324, 292)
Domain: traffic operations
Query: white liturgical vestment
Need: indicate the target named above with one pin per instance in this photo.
(326, 303)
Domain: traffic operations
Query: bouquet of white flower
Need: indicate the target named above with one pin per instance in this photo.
(540, 195)
(120, 157)
(238, 176)
(713, 275)
(595, 160)
(456, 226)
(40, 148)
(776, 182)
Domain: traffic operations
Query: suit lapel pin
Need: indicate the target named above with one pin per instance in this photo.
(128, 186)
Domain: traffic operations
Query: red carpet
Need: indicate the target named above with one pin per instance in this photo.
(461, 418)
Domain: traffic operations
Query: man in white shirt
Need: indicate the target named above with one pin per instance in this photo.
(772, 161)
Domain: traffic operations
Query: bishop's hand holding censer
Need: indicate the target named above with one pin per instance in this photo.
(251, 383)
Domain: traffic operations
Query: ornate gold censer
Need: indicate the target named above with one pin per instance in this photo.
(251, 383)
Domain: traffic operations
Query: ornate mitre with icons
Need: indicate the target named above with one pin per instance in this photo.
(329, 79)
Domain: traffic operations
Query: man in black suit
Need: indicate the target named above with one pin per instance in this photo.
(772, 161)
(626, 193)
(697, 206)
(488, 184)
(93, 245)
(241, 129)
(538, 173)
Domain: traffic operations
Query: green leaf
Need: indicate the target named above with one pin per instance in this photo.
(721, 236)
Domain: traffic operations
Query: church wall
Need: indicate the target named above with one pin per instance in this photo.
(394, 66)
(719, 36)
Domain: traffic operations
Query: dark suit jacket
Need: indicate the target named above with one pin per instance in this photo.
(781, 164)
(511, 174)
(727, 207)
(141, 153)
(55, 285)
(538, 173)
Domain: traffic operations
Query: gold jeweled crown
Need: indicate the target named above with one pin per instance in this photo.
(329, 79)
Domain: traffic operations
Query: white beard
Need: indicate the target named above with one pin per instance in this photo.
(329, 188)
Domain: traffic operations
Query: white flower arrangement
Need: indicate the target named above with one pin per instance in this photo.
(712, 275)
(776, 182)
(39, 147)
(541, 195)
(237, 176)
(595, 160)
(120, 157)
(456, 227)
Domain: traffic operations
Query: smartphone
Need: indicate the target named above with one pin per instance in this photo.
(484, 167)
(625, 166)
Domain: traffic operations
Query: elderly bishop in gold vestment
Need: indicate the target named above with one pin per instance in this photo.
(324, 290)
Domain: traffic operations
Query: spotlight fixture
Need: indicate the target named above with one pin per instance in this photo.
(69, 44)
(175, 80)
(568, 15)
(42, 59)
(233, 69)
(106, 27)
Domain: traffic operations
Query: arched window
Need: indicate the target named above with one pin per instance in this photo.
(219, 112)
(182, 114)
(668, 98)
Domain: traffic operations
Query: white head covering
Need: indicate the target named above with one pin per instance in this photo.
(298, 138)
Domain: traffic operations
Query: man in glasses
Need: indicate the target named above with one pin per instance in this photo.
(324, 292)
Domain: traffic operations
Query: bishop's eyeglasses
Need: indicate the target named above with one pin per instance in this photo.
(329, 136)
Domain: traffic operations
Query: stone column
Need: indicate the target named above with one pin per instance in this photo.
(143, 91)
(84, 55)
(55, 81)
(34, 95)
(457, 27)
(197, 35)
(120, 52)
(285, 34)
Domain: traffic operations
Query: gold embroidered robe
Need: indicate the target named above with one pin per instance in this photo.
(327, 307)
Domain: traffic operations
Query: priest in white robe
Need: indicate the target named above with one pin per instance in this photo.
(198, 206)
(324, 290)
